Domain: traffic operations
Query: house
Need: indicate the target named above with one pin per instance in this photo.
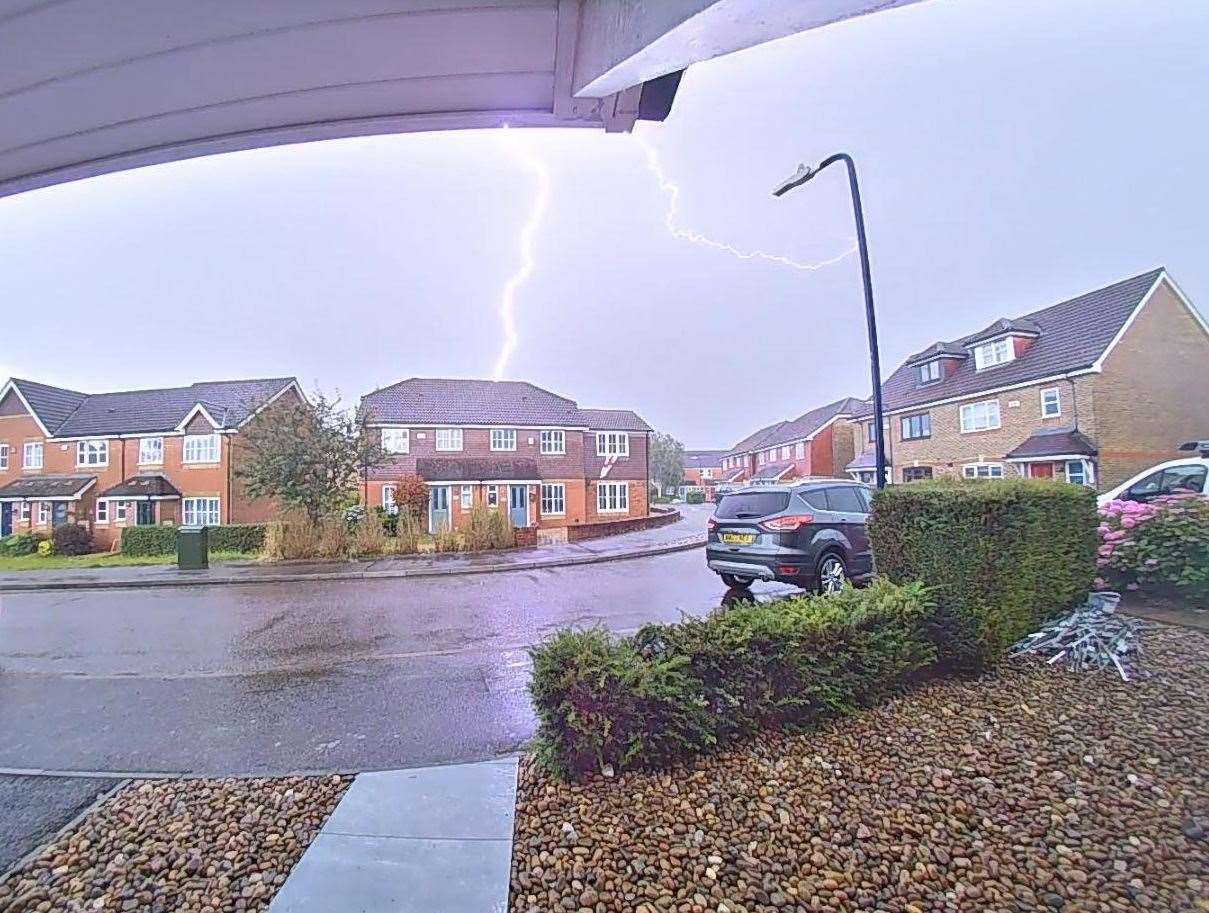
(702, 470)
(509, 444)
(1091, 390)
(816, 443)
(138, 457)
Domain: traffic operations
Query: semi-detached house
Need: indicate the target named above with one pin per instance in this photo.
(816, 443)
(138, 457)
(1090, 390)
(508, 444)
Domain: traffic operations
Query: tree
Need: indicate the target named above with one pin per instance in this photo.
(411, 496)
(310, 456)
(667, 461)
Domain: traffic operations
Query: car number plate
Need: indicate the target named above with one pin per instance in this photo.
(738, 538)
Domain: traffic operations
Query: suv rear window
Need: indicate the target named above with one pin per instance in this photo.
(745, 505)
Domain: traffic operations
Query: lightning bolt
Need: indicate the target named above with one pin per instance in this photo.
(672, 190)
(541, 199)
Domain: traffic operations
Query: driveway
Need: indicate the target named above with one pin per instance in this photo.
(340, 675)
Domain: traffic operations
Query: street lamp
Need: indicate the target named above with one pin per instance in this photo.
(800, 177)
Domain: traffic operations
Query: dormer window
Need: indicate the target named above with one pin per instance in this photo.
(930, 372)
(996, 352)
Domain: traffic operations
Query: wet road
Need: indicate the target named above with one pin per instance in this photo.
(329, 675)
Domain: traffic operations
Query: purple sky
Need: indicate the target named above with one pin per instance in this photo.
(1011, 155)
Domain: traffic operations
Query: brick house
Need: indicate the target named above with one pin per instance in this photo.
(140, 457)
(702, 470)
(508, 444)
(1090, 390)
(816, 443)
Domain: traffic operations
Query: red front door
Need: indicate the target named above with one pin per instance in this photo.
(1041, 470)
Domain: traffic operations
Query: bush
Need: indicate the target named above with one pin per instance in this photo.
(671, 691)
(369, 538)
(1163, 542)
(389, 520)
(999, 557)
(407, 537)
(411, 496)
(237, 537)
(142, 541)
(694, 497)
(446, 540)
(18, 544)
(503, 533)
(477, 533)
(46, 548)
(71, 539)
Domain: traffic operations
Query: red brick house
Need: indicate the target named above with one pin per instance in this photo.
(702, 470)
(508, 444)
(139, 457)
(816, 443)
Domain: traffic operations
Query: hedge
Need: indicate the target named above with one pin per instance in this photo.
(673, 691)
(161, 540)
(694, 497)
(999, 557)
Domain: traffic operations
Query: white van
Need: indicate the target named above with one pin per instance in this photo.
(1190, 474)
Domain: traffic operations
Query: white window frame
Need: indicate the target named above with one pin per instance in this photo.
(612, 443)
(760, 458)
(785, 452)
(972, 426)
(102, 512)
(212, 442)
(43, 513)
(25, 512)
(503, 439)
(207, 510)
(396, 440)
(493, 496)
(3, 457)
(93, 452)
(976, 471)
(553, 441)
(466, 497)
(1085, 470)
(447, 440)
(929, 372)
(799, 452)
(612, 498)
(150, 455)
(388, 499)
(120, 511)
(707, 473)
(32, 447)
(995, 352)
(553, 499)
(1056, 402)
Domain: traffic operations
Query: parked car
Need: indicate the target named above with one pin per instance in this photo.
(1188, 475)
(811, 534)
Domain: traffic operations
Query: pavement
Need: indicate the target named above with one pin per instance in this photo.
(686, 533)
(34, 809)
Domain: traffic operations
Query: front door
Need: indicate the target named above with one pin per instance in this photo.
(518, 505)
(438, 508)
(1041, 470)
(6, 520)
(146, 513)
(58, 513)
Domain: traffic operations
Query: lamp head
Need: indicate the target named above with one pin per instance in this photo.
(797, 179)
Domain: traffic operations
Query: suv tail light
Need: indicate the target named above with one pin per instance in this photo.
(711, 524)
(787, 524)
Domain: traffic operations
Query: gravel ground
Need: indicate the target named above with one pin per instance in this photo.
(1028, 789)
(178, 845)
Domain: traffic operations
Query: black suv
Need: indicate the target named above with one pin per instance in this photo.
(811, 534)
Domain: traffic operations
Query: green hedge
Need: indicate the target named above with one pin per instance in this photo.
(161, 540)
(999, 557)
(694, 497)
(672, 691)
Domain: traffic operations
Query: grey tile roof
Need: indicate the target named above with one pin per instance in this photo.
(455, 401)
(797, 429)
(940, 348)
(155, 486)
(771, 470)
(866, 460)
(1072, 335)
(703, 459)
(755, 440)
(139, 411)
(474, 469)
(1054, 442)
(42, 487)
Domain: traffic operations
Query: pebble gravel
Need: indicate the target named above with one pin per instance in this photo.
(1027, 789)
(178, 845)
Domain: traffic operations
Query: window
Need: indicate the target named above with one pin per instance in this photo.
(3, 457)
(200, 512)
(449, 439)
(503, 438)
(1051, 403)
(929, 373)
(493, 496)
(388, 499)
(31, 456)
(707, 473)
(760, 458)
(1076, 472)
(396, 440)
(554, 442)
(151, 450)
(1173, 480)
(917, 426)
(43, 512)
(92, 453)
(612, 443)
(980, 416)
(25, 512)
(466, 497)
(119, 511)
(799, 452)
(845, 499)
(916, 473)
(102, 511)
(201, 448)
(612, 497)
(993, 353)
(785, 453)
(983, 471)
(554, 499)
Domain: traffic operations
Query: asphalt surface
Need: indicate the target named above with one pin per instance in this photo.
(274, 678)
(33, 809)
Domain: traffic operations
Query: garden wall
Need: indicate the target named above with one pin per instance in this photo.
(657, 518)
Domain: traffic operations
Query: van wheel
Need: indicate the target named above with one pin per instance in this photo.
(831, 575)
(736, 580)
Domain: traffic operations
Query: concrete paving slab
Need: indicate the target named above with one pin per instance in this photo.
(458, 801)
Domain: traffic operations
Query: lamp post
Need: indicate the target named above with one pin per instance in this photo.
(800, 177)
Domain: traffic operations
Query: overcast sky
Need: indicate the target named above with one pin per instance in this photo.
(1011, 155)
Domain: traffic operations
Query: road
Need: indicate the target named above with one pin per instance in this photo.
(271, 678)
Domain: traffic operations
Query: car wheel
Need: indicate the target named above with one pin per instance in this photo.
(831, 576)
(736, 580)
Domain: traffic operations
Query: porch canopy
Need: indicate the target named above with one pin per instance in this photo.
(88, 88)
(476, 470)
(1052, 445)
(771, 472)
(141, 488)
(46, 488)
